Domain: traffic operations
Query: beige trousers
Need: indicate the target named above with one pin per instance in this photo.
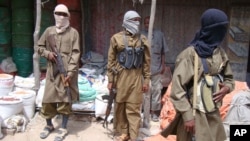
(50, 110)
(128, 118)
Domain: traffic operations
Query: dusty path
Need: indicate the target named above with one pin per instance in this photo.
(81, 128)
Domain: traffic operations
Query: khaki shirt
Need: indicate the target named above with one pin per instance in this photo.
(182, 82)
(68, 45)
(129, 81)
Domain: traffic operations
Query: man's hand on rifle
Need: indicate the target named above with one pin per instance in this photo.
(110, 86)
(67, 79)
(52, 56)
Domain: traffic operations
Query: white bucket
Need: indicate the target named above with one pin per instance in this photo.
(28, 97)
(1, 134)
(6, 84)
(10, 105)
(101, 106)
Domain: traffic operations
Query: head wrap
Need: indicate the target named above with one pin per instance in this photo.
(130, 25)
(213, 30)
(61, 22)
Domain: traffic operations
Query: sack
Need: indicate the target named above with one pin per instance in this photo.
(8, 65)
(166, 77)
(207, 86)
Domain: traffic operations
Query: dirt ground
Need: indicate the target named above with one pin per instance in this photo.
(80, 127)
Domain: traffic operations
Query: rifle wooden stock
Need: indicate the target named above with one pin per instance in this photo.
(65, 83)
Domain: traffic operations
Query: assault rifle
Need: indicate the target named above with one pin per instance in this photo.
(110, 98)
(59, 64)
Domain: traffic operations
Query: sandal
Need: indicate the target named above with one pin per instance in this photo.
(62, 133)
(123, 137)
(46, 131)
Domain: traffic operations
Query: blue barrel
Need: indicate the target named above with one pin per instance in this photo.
(22, 40)
(5, 33)
(5, 51)
(22, 27)
(5, 3)
(22, 4)
(5, 27)
(47, 20)
(23, 15)
(23, 58)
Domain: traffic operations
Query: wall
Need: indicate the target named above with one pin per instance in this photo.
(238, 40)
(178, 19)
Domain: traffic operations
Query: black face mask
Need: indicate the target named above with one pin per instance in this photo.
(213, 30)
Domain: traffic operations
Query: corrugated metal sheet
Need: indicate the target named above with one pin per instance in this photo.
(179, 20)
(238, 41)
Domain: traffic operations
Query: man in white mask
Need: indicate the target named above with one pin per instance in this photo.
(129, 55)
(131, 22)
(56, 100)
(62, 16)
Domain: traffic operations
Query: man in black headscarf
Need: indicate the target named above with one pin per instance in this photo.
(203, 124)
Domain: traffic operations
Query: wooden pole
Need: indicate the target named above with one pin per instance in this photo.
(83, 50)
(36, 57)
(147, 99)
(151, 21)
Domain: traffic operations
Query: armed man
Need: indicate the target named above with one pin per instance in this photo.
(129, 54)
(60, 45)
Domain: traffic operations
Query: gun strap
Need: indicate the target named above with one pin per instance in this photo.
(195, 81)
(125, 40)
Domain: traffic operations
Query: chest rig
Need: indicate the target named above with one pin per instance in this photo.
(207, 86)
(131, 57)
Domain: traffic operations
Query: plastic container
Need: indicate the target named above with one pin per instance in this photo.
(4, 3)
(22, 4)
(28, 97)
(10, 105)
(5, 51)
(6, 84)
(23, 56)
(22, 27)
(5, 26)
(1, 134)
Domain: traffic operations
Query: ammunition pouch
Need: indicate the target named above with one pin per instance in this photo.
(138, 57)
(207, 86)
(131, 57)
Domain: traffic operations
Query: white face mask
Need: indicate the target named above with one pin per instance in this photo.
(132, 26)
(61, 23)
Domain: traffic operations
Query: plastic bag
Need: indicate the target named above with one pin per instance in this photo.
(8, 65)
